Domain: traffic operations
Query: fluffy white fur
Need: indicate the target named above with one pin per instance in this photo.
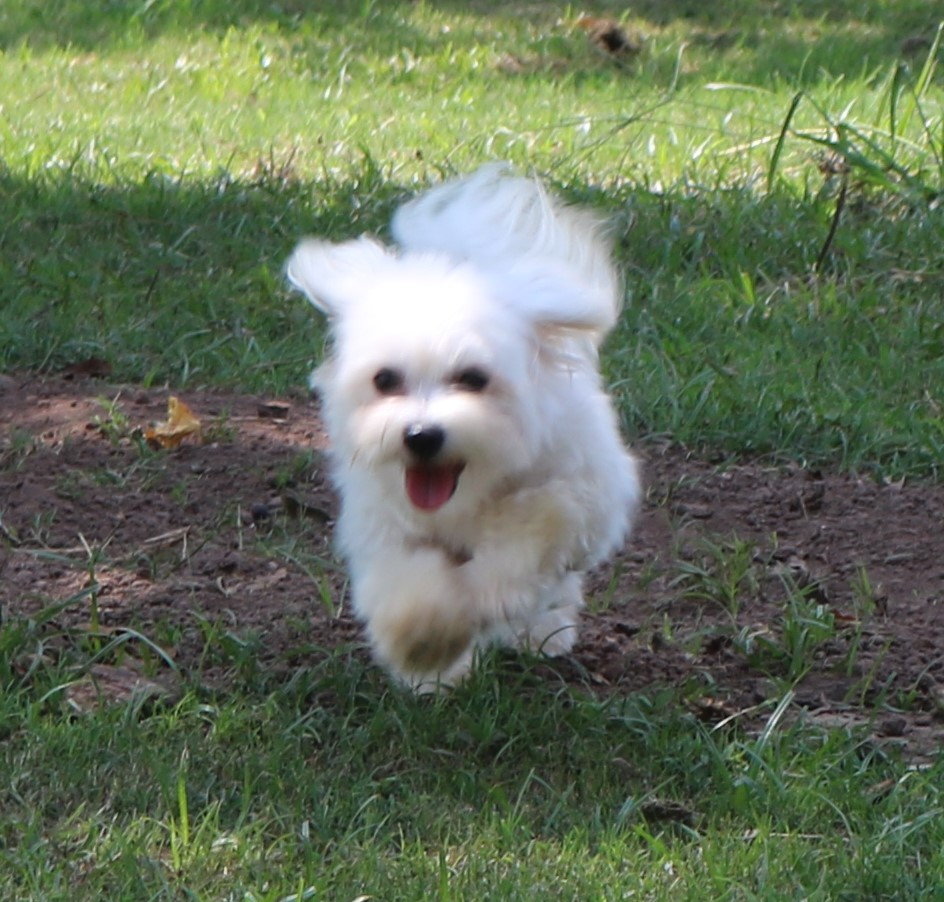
(478, 459)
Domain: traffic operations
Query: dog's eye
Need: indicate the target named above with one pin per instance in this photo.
(388, 381)
(471, 379)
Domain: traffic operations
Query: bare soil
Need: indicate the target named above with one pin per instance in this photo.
(742, 579)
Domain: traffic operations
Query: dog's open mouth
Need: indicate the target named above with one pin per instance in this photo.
(430, 486)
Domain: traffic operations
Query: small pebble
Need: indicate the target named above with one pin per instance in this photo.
(260, 512)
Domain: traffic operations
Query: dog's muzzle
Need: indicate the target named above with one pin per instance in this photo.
(424, 442)
(429, 482)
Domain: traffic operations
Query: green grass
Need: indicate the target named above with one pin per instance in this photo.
(774, 173)
(332, 784)
(166, 157)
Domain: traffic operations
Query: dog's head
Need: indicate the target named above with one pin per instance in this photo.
(434, 385)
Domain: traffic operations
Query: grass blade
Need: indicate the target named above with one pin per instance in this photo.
(778, 147)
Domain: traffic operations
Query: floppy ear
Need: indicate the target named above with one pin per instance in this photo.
(333, 275)
(556, 297)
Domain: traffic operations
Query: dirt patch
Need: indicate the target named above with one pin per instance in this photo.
(741, 580)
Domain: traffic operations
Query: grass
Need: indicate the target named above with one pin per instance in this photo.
(334, 785)
(774, 182)
(774, 176)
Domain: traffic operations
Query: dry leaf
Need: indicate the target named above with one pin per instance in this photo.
(181, 422)
(609, 36)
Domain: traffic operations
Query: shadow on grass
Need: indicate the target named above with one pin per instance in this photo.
(177, 280)
(180, 281)
(171, 279)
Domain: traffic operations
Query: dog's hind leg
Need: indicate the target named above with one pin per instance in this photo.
(552, 628)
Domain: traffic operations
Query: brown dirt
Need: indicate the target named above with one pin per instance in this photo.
(233, 531)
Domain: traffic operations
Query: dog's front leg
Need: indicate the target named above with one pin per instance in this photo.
(417, 609)
(529, 541)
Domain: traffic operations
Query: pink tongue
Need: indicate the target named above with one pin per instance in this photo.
(429, 488)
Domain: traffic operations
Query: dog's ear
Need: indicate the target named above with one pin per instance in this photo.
(550, 262)
(555, 297)
(333, 275)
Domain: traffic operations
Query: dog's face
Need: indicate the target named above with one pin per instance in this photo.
(430, 391)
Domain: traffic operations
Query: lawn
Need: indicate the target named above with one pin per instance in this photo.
(773, 173)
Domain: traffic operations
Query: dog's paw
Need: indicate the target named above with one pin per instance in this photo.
(552, 633)
(418, 613)
(424, 650)
(435, 649)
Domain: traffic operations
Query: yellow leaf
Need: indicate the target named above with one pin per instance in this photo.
(181, 422)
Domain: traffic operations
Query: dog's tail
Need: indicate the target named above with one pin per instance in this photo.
(549, 259)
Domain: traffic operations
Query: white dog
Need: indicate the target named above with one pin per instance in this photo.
(478, 459)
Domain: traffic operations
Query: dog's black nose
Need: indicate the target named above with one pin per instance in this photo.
(424, 441)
